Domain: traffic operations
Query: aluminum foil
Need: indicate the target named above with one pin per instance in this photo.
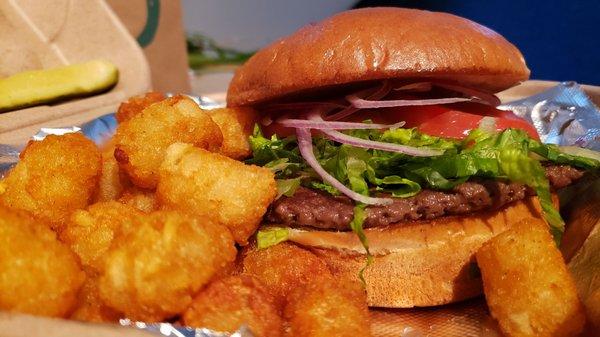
(167, 329)
(562, 115)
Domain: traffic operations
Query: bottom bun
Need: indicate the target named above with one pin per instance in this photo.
(419, 264)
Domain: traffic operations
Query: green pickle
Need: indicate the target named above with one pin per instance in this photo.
(37, 87)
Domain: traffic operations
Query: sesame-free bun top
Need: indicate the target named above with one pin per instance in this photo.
(379, 43)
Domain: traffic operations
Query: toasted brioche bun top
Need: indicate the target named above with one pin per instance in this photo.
(379, 43)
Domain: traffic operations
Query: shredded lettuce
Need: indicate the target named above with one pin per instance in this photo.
(357, 227)
(509, 154)
(266, 238)
(287, 187)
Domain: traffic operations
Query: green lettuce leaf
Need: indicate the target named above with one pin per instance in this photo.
(357, 227)
(287, 187)
(266, 238)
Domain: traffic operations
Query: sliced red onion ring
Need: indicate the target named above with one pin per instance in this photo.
(418, 86)
(306, 149)
(482, 95)
(371, 144)
(361, 103)
(331, 125)
(304, 105)
(379, 94)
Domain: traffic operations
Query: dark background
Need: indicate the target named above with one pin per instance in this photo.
(559, 39)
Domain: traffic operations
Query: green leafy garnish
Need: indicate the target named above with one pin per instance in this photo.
(357, 227)
(266, 238)
(287, 187)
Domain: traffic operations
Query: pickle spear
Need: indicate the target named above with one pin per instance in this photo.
(37, 87)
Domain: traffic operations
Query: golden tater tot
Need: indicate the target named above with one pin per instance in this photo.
(90, 232)
(141, 199)
(39, 275)
(112, 180)
(284, 267)
(329, 308)
(54, 177)
(214, 186)
(227, 304)
(90, 307)
(236, 124)
(141, 141)
(526, 283)
(137, 104)
(152, 273)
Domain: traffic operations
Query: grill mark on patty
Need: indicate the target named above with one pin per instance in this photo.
(319, 209)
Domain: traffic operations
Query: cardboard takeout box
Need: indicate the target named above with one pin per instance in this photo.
(39, 35)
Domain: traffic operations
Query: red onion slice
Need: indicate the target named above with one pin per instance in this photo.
(361, 103)
(482, 95)
(378, 94)
(306, 149)
(391, 147)
(418, 86)
(331, 125)
(371, 144)
(304, 106)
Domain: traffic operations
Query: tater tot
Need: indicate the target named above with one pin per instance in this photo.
(141, 141)
(214, 186)
(283, 267)
(526, 283)
(236, 124)
(136, 104)
(140, 199)
(227, 304)
(39, 275)
(90, 233)
(55, 177)
(90, 308)
(152, 273)
(112, 180)
(328, 308)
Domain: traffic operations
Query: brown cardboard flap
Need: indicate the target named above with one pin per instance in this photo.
(160, 24)
(18, 325)
(39, 36)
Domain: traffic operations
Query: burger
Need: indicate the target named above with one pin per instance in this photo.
(392, 161)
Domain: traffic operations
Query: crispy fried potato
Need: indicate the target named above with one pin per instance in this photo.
(283, 267)
(55, 177)
(39, 275)
(137, 104)
(214, 186)
(112, 180)
(141, 141)
(328, 308)
(152, 273)
(141, 199)
(526, 283)
(236, 124)
(90, 232)
(227, 304)
(90, 308)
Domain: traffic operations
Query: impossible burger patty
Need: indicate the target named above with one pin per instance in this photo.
(308, 207)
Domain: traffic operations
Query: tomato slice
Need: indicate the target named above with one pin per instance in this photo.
(450, 121)
(457, 124)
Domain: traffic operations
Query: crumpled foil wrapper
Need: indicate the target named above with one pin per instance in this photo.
(562, 115)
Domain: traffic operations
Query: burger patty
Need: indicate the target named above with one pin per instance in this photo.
(322, 210)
